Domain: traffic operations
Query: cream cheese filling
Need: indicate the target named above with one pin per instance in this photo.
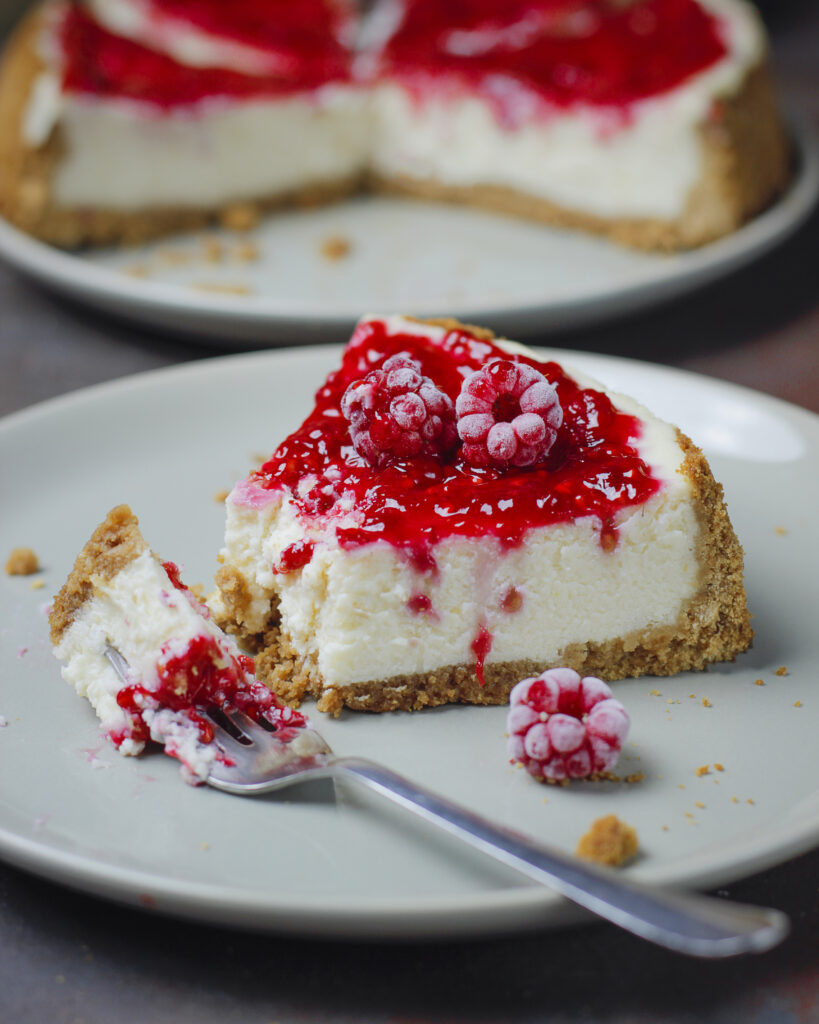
(123, 156)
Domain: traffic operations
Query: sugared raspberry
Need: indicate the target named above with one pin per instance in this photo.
(395, 413)
(508, 415)
(564, 727)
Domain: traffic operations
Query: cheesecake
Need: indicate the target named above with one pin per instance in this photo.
(455, 515)
(651, 122)
(145, 652)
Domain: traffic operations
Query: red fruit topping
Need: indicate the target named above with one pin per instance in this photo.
(481, 646)
(564, 727)
(396, 412)
(508, 415)
(295, 556)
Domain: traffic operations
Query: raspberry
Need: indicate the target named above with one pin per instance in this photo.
(396, 413)
(508, 415)
(561, 726)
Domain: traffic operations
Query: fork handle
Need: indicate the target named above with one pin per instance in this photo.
(685, 922)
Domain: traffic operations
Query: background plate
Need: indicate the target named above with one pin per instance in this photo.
(420, 258)
(303, 861)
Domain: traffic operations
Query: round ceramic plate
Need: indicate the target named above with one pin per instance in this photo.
(313, 862)
(307, 275)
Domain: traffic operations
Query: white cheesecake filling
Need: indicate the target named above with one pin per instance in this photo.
(587, 158)
(349, 612)
(125, 156)
(138, 612)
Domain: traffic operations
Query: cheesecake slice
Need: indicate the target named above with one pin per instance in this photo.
(652, 122)
(122, 606)
(455, 515)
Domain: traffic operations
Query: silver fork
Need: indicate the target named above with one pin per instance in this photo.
(260, 761)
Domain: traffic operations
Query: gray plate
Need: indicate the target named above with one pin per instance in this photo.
(421, 258)
(75, 811)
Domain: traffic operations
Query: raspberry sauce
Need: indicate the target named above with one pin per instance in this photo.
(99, 63)
(552, 53)
(593, 469)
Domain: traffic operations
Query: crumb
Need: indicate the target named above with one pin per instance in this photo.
(664, 828)
(247, 252)
(692, 696)
(719, 767)
(213, 250)
(223, 289)
(781, 671)
(173, 257)
(633, 778)
(759, 682)
(221, 496)
(137, 271)
(22, 562)
(654, 693)
(240, 217)
(689, 815)
(335, 247)
(37, 584)
(734, 799)
(680, 786)
(700, 804)
(750, 801)
(609, 841)
(205, 847)
(797, 704)
(781, 531)
(702, 770)
(706, 703)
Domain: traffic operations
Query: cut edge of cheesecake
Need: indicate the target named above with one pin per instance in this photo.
(712, 626)
(746, 165)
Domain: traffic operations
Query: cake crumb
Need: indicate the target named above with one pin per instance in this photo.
(706, 703)
(223, 289)
(247, 252)
(240, 217)
(221, 496)
(205, 847)
(702, 770)
(719, 767)
(700, 804)
(37, 584)
(664, 828)
(335, 247)
(655, 693)
(213, 250)
(759, 682)
(781, 671)
(609, 841)
(22, 562)
(734, 799)
(750, 800)
(781, 531)
(797, 704)
(692, 696)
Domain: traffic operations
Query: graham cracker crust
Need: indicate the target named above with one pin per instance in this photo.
(714, 626)
(115, 543)
(746, 165)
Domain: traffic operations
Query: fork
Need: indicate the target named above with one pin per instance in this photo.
(260, 760)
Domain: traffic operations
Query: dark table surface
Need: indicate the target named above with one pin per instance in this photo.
(70, 959)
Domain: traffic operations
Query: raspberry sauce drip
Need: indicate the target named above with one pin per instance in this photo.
(593, 469)
(560, 52)
(99, 63)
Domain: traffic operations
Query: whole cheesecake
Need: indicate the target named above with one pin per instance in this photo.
(455, 515)
(650, 121)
